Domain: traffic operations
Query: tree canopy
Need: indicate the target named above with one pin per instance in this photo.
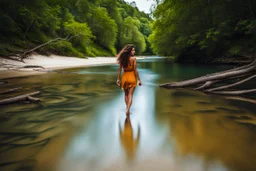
(95, 27)
(202, 30)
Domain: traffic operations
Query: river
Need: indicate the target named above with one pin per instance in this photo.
(80, 124)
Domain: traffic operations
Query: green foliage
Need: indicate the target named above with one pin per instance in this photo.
(99, 51)
(95, 27)
(64, 48)
(130, 34)
(235, 50)
(145, 27)
(16, 46)
(112, 10)
(129, 11)
(104, 28)
(201, 30)
(78, 30)
(8, 25)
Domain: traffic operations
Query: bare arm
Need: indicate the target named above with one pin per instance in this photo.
(119, 75)
(137, 76)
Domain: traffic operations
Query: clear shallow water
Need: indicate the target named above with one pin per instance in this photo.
(81, 125)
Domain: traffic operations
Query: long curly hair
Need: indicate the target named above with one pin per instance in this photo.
(124, 55)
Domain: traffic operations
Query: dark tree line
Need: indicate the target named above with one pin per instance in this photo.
(205, 30)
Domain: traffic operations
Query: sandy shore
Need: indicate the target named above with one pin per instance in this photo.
(52, 62)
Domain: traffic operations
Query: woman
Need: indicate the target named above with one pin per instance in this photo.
(130, 77)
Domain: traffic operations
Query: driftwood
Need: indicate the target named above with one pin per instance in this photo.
(213, 77)
(24, 54)
(205, 83)
(20, 98)
(20, 56)
(11, 90)
(17, 68)
(32, 99)
(241, 99)
(33, 66)
(3, 82)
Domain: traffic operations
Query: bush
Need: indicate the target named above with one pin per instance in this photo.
(64, 48)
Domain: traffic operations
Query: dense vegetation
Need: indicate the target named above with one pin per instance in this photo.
(204, 30)
(91, 27)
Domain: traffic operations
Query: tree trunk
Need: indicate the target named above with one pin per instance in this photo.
(214, 77)
(19, 98)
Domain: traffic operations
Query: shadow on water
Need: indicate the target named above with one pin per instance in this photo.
(81, 124)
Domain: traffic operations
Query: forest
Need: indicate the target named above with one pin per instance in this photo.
(208, 31)
(205, 31)
(81, 28)
(189, 31)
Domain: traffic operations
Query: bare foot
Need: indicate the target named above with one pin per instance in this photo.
(127, 112)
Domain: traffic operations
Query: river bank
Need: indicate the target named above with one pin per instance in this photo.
(39, 64)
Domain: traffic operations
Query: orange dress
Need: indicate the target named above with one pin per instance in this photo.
(128, 77)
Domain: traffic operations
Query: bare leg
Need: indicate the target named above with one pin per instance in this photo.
(126, 92)
(130, 96)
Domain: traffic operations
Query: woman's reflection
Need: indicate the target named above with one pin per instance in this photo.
(129, 143)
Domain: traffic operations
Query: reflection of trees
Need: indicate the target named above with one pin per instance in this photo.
(129, 144)
(28, 134)
(156, 66)
(199, 126)
(215, 140)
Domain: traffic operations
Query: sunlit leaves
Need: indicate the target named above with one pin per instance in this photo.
(95, 26)
(130, 34)
(104, 28)
(77, 29)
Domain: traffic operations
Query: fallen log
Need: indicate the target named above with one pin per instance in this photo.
(18, 98)
(213, 83)
(11, 90)
(231, 85)
(33, 99)
(213, 77)
(33, 66)
(234, 92)
(21, 55)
